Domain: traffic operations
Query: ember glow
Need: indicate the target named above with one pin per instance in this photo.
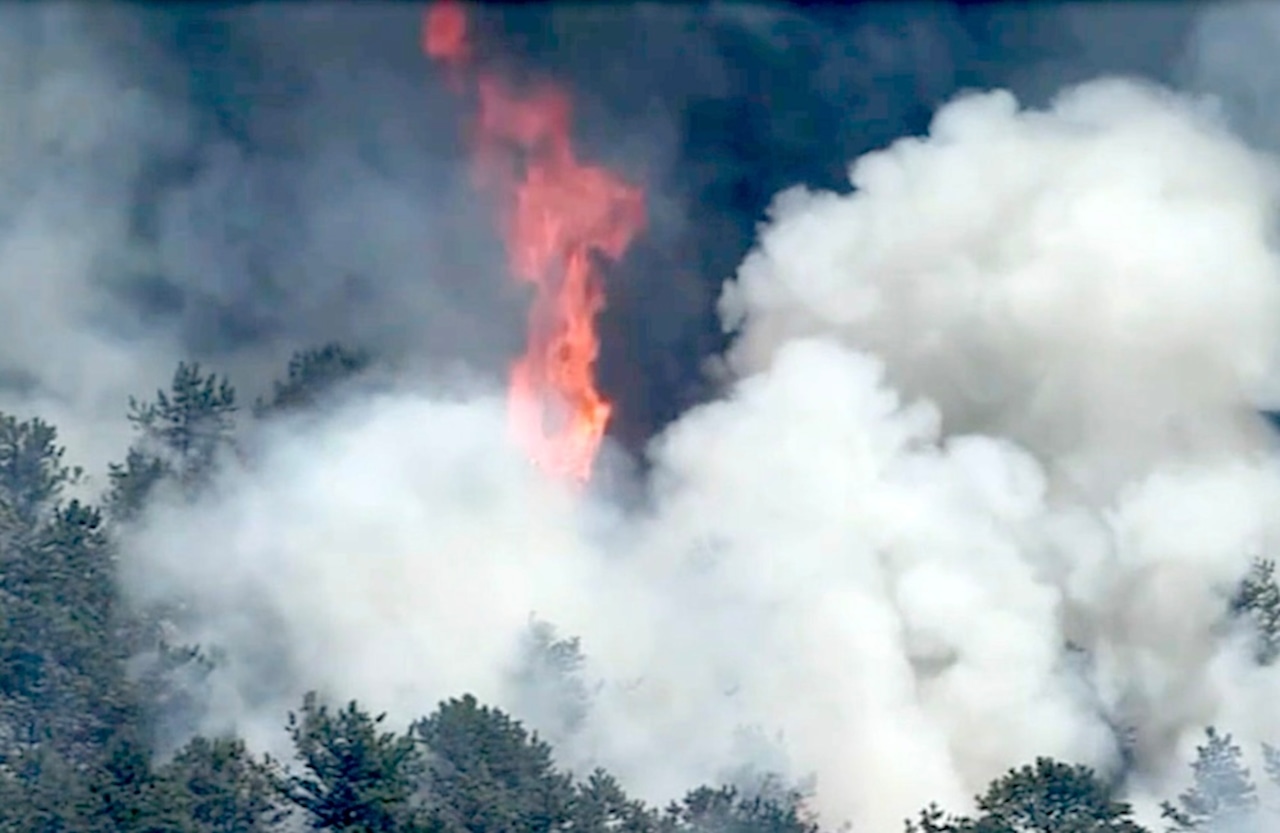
(558, 217)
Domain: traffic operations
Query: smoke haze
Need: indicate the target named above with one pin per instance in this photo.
(970, 485)
(886, 582)
(232, 181)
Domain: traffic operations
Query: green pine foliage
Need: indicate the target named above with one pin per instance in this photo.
(1046, 797)
(312, 375)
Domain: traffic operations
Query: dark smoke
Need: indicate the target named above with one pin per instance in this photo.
(720, 106)
(308, 183)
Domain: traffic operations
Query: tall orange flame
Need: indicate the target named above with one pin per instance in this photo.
(558, 216)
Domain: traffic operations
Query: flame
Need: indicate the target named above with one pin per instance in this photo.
(558, 217)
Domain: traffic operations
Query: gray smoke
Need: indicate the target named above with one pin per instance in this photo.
(228, 182)
(981, 468)
(981, 483)
(228, 185)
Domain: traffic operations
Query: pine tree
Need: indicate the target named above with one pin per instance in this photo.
(312, 374)
(124, 794)
(487, 772)
(600, 804)
(227, 789)
(355, 776)
(32, 473)
(42, 792)
(548, 680)
(1048, 797)
(62, 681)
(1271, 763)
(181, 434)
(1258, 598)
(1222, 794)
(727, 810)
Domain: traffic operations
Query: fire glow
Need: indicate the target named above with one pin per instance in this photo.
(558, 216)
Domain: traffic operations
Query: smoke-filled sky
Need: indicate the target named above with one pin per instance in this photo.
(947, 463)
(239, 179)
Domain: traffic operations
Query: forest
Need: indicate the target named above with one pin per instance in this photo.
(86, 679)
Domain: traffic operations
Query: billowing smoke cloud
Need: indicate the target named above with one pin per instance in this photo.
(982, 474)
(981, 263)
(983, 464)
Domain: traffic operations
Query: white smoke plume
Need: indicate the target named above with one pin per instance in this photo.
(983, 472)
